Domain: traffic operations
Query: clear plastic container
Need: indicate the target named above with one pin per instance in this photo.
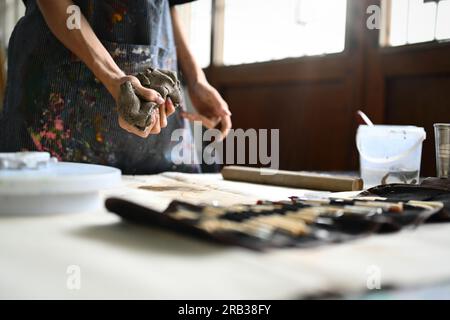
(390, 154)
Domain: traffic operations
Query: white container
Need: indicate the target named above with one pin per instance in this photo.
(61, 187)
(389, 154)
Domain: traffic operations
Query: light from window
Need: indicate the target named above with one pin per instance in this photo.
(10, 13)
(415, 21)
(256, 30)
(196, 18)
(443, 21)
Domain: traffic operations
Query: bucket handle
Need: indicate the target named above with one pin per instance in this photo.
(390, 159)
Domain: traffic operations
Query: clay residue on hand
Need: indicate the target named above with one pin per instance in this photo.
(134, 109)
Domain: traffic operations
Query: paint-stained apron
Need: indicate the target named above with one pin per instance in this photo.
(54, 103)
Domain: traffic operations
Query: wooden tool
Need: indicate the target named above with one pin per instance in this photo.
(303, 180)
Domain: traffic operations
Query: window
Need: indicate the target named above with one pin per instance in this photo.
(196, 18)
(10, 12)
(415, 21)
(256, 30)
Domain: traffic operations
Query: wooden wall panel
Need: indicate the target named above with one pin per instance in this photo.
(420, 101)
(314, 121)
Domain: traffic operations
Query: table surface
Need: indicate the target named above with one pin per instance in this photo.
(118, 260)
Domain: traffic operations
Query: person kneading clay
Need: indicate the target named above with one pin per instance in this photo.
(96, 81)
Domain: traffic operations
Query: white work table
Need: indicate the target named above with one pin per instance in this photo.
(121, 260)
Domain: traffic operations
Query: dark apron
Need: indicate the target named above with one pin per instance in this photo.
(54, 103)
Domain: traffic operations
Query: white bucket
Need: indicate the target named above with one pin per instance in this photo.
(389, 154)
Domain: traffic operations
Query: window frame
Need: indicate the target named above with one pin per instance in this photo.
(386, 9)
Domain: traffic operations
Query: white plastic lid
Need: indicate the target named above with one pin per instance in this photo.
(391, 129)
(385, 143)
(59, 178)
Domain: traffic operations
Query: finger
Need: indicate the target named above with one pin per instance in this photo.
(157, 125)
(170, 108)
(224, 110)
(206, 122)
(162, 116)
(220, 107)
(145, 93)
(209, 123)
(225, 127)
(133, 130)
(150, 95)
(143, 134)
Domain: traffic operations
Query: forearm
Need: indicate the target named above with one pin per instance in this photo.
(191, 70)
(210, 106)
(82, 42)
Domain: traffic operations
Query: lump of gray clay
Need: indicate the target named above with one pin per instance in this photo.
(136, 110)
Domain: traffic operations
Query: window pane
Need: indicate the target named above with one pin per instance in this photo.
(443, 20)
(414, 21)
(10, 12)
(196, 18)
(201, 31)
(399, 23)
(422, 21)
(256, 30)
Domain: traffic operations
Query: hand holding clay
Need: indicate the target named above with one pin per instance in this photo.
(212, 110)
(141, 98)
